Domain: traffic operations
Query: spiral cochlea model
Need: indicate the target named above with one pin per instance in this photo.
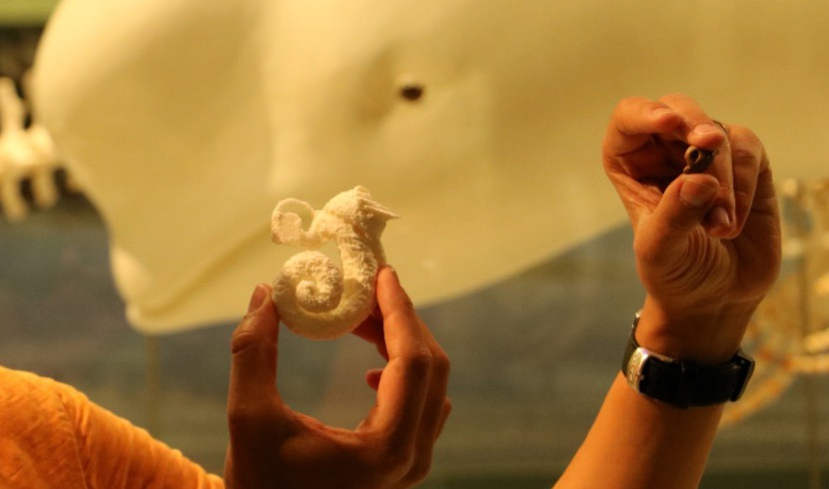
(315, 298)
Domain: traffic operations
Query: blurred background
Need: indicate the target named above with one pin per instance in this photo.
(532, 355)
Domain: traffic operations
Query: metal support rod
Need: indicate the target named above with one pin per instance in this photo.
(810, 398)
(153, 386)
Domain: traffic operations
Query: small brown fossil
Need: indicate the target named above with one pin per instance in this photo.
(697, 160)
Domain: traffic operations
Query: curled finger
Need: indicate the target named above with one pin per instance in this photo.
(748, 161)
(632, 124)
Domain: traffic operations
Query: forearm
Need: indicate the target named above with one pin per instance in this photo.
(114, 453)
(637, 442)
(707, 250)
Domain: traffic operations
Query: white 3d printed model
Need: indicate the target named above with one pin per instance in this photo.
(314, 297)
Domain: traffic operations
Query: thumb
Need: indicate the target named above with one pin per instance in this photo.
(254, 351)
(681, 209)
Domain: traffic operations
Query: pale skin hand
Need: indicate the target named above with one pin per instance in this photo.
(704, 273)
(272, 446)
(707, 249)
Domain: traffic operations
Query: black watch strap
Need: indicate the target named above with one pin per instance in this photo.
(683, 383)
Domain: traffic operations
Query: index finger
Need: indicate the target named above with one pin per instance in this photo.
(634, 121)
(403, 388)
(640, 143)
(705, 133)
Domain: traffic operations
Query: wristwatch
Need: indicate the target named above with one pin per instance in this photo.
(684, 383)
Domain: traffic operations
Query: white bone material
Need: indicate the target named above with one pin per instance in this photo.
(480, 121)
(26, 154)
(315, 298)
(789, 334)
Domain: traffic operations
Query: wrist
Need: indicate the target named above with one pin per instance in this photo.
(683, 382)
(708, 336)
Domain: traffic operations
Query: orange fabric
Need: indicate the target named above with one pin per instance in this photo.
(52, 436)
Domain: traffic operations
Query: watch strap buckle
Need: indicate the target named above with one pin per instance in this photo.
(746, 365)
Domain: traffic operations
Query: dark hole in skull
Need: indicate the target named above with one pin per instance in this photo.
(412, 91)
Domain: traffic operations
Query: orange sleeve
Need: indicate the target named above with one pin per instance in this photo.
(114, 454)
(37, 441)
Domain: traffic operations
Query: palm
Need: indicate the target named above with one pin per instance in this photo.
(705, 267)
(709, 269)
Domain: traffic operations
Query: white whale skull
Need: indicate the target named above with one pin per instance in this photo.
(478, 122)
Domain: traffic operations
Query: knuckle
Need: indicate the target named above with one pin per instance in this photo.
(743, 132)
(419, 469)
(672, 97)
(745, 153)
(745, 144)
(447, 407)
(441, 365)
(249, 335)
(244, 335)
(420, 362)
(393, 460)
(244, 416)
(628, 103)
(742, 154)
(242, 340)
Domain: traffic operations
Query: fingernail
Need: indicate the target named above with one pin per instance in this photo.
(393, 271)
(260, 293)
(703, 129)
(657, 113)
(696, 194)
(719, 217)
